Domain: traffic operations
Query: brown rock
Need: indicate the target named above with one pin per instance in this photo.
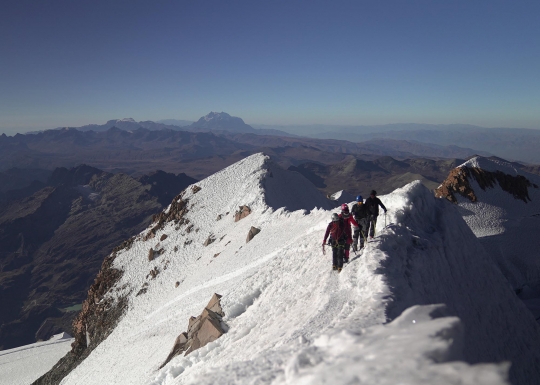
(252, 232)
(201, 330)
(209, 240)
(191, 322)
(151, 254)
(177, 284)
(458, 182)
(209, 331)
(176, 212)
(163, 237)
(153, 273)
(242, 213)
(195, 189)
(194, 344)
(179, 347)
(215, 304)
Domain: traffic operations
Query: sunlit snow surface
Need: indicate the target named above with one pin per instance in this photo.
(291, 320)
(25, 364)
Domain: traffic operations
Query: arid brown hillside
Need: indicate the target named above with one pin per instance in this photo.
(53, 242)
(383, 174)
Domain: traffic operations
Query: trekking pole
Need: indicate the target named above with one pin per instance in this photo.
(385, 219)
(323, 250)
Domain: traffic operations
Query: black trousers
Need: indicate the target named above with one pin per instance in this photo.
(372, 224)
(337, 255)
(361, 233)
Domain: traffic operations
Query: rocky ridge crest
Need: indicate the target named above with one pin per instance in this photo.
(458, 182)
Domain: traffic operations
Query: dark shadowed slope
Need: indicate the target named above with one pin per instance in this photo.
(53, 242)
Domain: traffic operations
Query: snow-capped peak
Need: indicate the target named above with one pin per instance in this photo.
(491, 164)
(216, 116)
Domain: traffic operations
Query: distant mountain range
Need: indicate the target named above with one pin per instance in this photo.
(197, 153)
(511, 143)
(214, 121)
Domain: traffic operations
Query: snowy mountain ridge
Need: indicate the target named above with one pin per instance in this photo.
(501, 205)
(289, 318)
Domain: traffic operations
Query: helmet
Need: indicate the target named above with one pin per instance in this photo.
(344, 207)
(373, 192)
(335, 217)
(359, 198)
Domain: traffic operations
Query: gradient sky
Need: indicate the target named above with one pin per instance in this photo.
(75, 62)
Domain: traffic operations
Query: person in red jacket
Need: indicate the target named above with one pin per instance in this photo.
(349, 221)
(339, 237)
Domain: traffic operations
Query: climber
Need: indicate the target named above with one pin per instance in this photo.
(372, 206)
(337, 229)
(361, 215)
(349, 220)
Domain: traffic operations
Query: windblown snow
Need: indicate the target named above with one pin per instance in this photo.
(422, 304)
(508, 229)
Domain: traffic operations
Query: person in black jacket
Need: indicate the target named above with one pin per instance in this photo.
(372, 205)
(361, 215)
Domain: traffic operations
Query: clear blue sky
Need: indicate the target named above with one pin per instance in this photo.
(74, 62)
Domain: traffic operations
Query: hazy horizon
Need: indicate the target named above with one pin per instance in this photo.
(11, 132)
(67, 63)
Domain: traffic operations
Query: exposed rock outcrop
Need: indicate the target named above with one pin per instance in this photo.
(176, 212)
(242, 213)
(201, 330)
(209, 240)
(252, 232)
(195, 189)
(99, 316)
(458, 182)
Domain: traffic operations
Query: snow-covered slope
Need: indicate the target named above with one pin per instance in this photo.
(290, 319)
(505, 215)
(341, 197)
(25, 364)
